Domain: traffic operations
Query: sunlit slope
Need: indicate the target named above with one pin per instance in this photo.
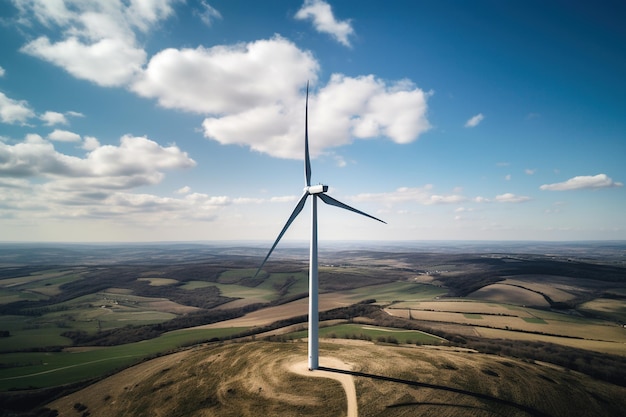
(252, 379)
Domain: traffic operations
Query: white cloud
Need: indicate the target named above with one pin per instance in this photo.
(98, 37)
(346, 108)
(107, 62)
(183, 190)
(511, 198)
(136, 155)
(475, 120)
(143, 14)
(60, 135)
(419, 195)
(137, 161)
(14, 111)
(463, 210)
(582, 182)
(207, 13)
(228, 79)
(90, 143)
(507, 177)
(321, 14)
(2, 72)
(528, 171)
(284, 199)
(51, 118)
(38, 184)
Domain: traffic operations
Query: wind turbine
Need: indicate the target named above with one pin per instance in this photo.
(313, 191)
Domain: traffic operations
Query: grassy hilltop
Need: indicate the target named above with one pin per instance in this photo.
(252, 379)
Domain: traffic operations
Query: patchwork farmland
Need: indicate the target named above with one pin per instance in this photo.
(77, 322)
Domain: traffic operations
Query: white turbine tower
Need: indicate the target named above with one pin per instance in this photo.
(314, 191)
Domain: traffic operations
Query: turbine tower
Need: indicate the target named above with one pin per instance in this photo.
(313, 191)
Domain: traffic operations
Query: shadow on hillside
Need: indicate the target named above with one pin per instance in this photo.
(447, 405)
(531, 411)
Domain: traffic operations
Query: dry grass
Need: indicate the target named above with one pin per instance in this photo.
(295, 308)
(606, 306)
(159, 282)
(252, 379)
(463, 306)
(503, 293)
(548, 285)
(517, 323)
(168, 306)
(609, 347)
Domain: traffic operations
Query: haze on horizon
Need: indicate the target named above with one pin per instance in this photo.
(183, 121)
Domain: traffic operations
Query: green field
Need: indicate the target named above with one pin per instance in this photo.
(361, 331)
(271, 288)
(157, 282)
(534, 320)
(48, 369)
(39, 286)
(400, 293)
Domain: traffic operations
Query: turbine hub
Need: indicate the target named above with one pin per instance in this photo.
(316, 189)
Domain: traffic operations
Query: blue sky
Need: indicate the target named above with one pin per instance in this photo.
(172, 120)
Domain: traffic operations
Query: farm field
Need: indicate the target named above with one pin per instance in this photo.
(602, 346)
(78, 321)
(48, 369)
(522, 324)
(369, 332)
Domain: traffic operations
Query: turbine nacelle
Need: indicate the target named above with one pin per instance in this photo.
(316, 189)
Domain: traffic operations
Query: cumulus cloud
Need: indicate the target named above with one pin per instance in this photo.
(90, 143)
(39, 182)
(60, 135)
(51, 118)
(511, 198)
(475, 120)
(419, 195)
(136, 161)
(583, 182)
(227, 79)
(107, 62)
(346, 108)
(324, 21)
(207, 13)
(98, 38)
(14, 111)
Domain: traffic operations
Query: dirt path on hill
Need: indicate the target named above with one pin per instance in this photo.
(302, 368)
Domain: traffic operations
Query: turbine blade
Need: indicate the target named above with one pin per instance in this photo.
(329, 200)
(307, 159)
(295, 213)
